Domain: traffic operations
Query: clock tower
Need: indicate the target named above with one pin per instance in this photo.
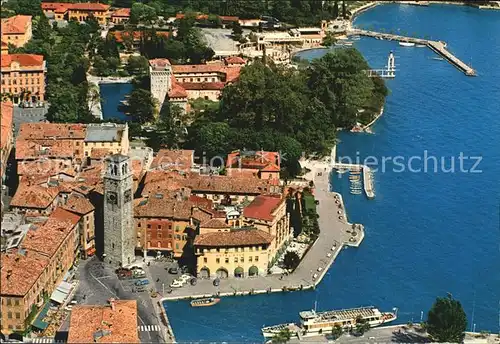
(119, 232)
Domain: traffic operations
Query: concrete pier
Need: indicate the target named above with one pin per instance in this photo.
(437, 46)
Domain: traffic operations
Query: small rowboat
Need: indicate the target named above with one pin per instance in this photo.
(205, 302)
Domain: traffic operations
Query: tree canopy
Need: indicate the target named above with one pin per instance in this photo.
(446, 320)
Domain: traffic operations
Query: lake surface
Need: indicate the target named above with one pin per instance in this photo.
(111, 96)
(426, 233)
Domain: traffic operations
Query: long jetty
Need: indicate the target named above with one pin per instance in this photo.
(437, 46)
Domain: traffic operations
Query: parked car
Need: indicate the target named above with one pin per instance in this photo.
(185, 277)
(142, 282)
(173, 270)
(176, 284)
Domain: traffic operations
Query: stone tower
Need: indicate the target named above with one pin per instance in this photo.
(119, 232)
(160, 72)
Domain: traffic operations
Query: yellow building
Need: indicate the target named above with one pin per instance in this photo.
(31, 273)
(6, 139)
(268, 213)
(23, 78)
(77, 11)
(16, 30)
(233, 253)
(109, 137)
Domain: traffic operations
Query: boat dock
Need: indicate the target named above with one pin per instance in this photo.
(367, 176)
(437, 46)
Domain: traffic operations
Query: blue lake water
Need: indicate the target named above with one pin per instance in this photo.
(426, 233)
(111, 96)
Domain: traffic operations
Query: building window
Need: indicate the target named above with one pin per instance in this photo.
(149, 226)
(242, 259)
(176, 246)
(205, 260)
(159, 226)
(227, 260)
(9, 302)
(236, 259)
(217, 260)
(250, 259)
(256, 258)
(9, 315)
(18, 315)
(176, 228)
(139, 225)
(158, 235)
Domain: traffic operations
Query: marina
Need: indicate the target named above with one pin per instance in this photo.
(437, 46)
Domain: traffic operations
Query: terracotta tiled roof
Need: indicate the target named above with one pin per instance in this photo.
(232, 73)
(170, 159)
(271, 168)
(33, 196)
(24, 60)
(28, 149)
(255, 160)
(229, 18)
(78, 204)
(163, 207)
(263, 207)
(119, 35)
(6, 123)
(177, 91)
(15, 25)
(163, 180)
(45, 168)
(51, 130)
(114, 323)
(20, 271)
(201, 201)
(242, 173)
(100, 153)
(243, 237)
(47, 239)
(83, 6)
(121, 12)
(234, 60)
(194, 86)
(214, 223)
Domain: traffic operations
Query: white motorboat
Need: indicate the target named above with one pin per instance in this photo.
(313, 323)
(406, 44)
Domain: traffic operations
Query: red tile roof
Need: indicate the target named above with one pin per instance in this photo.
(20, 270)
(195, 86)
(117, 323)
(177, 91)
(100, 153)
(232, 73)
(165, 207)
(201, 201)
(15, 25)
(28, 149)
(263, 207)
(78, 204)
(121, 12)
(83, 6)
(214, 223)
(47, 239)
(173, 160)
(236, 238)
(24, 60)
(254, 160)
(234, 60)
(52, 131)
(33, 196)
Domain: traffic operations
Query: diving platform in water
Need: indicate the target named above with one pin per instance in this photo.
(437, 46)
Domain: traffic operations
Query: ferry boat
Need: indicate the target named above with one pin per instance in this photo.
(205, 302)
(407, 44)
(313, 323)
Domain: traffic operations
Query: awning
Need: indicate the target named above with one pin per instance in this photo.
(65, 287)
(238, 270)
(253, 270)
(58, 296)
(39, 322)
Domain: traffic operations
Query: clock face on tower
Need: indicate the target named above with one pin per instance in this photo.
(111, 197)
(128, 195)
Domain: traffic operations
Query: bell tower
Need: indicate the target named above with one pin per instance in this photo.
(119, 232)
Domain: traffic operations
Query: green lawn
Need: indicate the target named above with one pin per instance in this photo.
(309, 203)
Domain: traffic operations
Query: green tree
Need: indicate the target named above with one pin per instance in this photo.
(137, 65)
(237, 31)
(140, 106)
(362, 325)
(329, 40)
(337, 331)
(101, 67)
(282, 337)
(209, 138)
(291, 260)
(170, 130)
(446, 320)
(141, 13)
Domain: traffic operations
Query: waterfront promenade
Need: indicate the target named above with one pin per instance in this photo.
(335, 234)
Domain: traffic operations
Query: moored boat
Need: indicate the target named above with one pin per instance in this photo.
(407, 44)
(205, 302)
(313, 323)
